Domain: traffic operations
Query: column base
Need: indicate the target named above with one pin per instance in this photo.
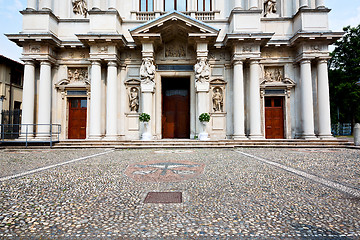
(308, 137)
(110, 138)
(240, 137)
(94, 138)
(256, 137)
(326, 137)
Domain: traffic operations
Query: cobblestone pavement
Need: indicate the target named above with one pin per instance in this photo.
(235, 197)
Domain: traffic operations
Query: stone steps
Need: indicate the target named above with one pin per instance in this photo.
(202, 144)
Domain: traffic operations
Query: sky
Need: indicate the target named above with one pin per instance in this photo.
(344, 13)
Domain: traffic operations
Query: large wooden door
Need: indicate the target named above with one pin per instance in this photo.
(176, 108)
(274, 118)
(77, 118)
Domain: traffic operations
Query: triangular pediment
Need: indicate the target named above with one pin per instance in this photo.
(175, 19)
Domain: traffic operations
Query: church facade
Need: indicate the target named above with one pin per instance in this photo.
(258, 67)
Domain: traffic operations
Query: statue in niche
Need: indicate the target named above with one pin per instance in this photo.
(134, 100)
(269, 7)
(202, 70)
(147, 70)
(218, 100)
(80, 7)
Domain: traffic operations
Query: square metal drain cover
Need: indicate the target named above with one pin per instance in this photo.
(163, 197)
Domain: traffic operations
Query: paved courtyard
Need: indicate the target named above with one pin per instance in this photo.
(226, 193)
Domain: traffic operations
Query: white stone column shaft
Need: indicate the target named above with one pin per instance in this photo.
(253, 4)
(96, 4)
(28, 100)
(255, 111)
(307, 109)
(238, 104)
(320, 3)
(324, 100)
(44, 110)
(95, 104)
(45, 4)
(31, 4)
(112, 4)
(304, 3)
(111, 102)
(238, 4)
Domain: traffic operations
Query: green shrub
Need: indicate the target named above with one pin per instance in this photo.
(144, 117)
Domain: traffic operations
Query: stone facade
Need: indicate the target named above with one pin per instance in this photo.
(238, 56)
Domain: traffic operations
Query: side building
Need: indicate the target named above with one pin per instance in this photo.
(258, 67)
(11, 81)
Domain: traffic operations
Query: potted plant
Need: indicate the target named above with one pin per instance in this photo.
(204, 118)
(145, 118)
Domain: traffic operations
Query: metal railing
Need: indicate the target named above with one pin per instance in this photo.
(30, 133)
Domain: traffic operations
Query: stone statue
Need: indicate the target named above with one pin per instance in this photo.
(134, 100)
(80, 7)
(147, 70)
(217, 100)
(278, 75)
(269, 7)
(202, 70)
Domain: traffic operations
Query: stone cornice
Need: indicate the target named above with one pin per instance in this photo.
(259, 38)
(24, 38)
(328, 37)
(40, 12)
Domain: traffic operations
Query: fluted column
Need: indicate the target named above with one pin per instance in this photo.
(112, 4)
(28, 104)
(253, 4)
(95, 104)
(255, 112)
(238, 94)
(45, 5)
(324, 100)
(307, 109)
(304, 3)
(238, 4)
(111, 102)
(44, 110)
(320, 3)
(96, 5)
(31, 5)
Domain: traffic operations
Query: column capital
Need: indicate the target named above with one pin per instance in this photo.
(45, 62)
(112, 64)
(238, 62)
(95, 62)
(254, 61)
(323, 60)
(29, 62)
(305, 61)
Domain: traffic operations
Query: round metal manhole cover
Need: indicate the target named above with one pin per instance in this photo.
(164, 171)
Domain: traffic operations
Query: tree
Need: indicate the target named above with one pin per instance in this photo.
(343, 74)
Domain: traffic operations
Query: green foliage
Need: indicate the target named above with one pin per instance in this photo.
(144, 117)
(204, 117)
(344, 73)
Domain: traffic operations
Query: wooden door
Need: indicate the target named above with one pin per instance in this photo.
(176, 108)
(274, 118)
(77, 118)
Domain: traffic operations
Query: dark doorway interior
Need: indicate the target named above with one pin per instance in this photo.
(176, 108)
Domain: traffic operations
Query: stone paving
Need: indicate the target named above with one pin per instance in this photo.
(234, 197)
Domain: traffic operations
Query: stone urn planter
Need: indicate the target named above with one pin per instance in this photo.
(146, 135)
(204, 118)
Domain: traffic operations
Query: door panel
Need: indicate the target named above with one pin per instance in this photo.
(176, 108)
(274, 118)
(77, 118)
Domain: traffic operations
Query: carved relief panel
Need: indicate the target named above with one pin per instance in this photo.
(273, 74)
(77, 74)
